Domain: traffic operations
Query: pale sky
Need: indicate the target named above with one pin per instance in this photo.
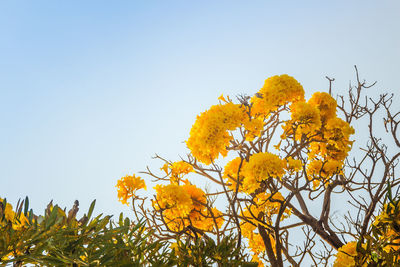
(91, 90)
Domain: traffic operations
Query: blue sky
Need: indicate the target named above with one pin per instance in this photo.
(91, 90)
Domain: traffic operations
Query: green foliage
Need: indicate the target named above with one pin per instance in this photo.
(58, 239)
(205, 252)
(383, 246)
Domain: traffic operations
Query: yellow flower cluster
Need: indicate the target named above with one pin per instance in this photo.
(305, 120)
(294, 165)
(334, 140)
(277, 91)
(184, 205)
(8, 211)
(253, 128)
(174, 199)
(325, 103)
(346, 254)
(328, 135)
(177, 170)
(337, 134)
(209, 135)
(332, 149)
(127, 187)
(334, 135)
(19, 221)
(261, 166)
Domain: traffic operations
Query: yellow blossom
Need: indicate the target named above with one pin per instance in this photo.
(338, 132)
(254, 128)
(196, 194)
(21, 222)
(127, 187)
(335, 143)
(175, 247)
(392, 238)
(177, 170)
(207, 220)
(305, 120)
(174, 198)
(261, 166)
(183, 205)
(8, 211)
(294, 165)
(325, 103)
(222, 98)
(346, 255)
(209, 135)
(277, 91)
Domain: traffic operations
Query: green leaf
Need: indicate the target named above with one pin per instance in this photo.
(26, 207)
(91, 209)
(127, 222)
(103, 223)
(121, 219)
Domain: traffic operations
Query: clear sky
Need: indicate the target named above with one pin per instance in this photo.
(90, 90)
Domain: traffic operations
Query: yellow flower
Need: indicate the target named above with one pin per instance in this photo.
(8, 211)
(294, 165)
(174, 198)
(177, 170)
(338, 133)
(277, 91)
(196, 194)
(183, 205)
(209, 135)
(334, 143)
(261, 166)
(325, 103)
(305, 119)
(393, 239)
(222, 98)
(254, 128)
(21, 222)
(206, 220)
(127, 187)
(346, 255)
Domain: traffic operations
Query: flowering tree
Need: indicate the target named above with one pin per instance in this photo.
(273, 164)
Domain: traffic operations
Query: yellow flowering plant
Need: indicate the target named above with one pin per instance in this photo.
(274, 162)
